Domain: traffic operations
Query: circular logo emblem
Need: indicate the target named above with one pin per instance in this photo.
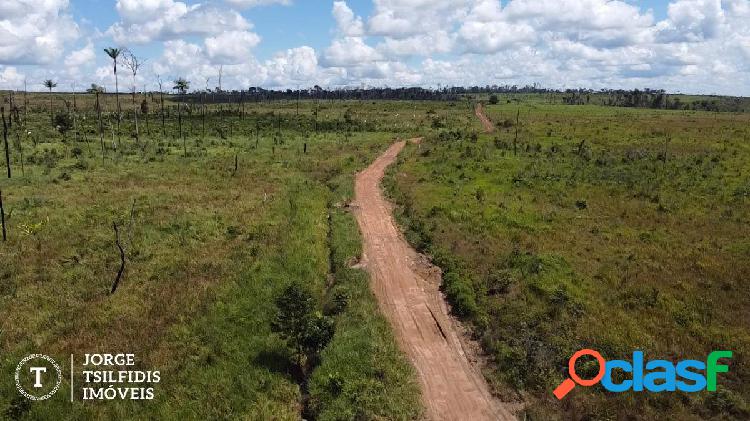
(34, 377)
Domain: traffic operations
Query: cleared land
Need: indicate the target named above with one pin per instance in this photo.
(209, 246)
(611, 228)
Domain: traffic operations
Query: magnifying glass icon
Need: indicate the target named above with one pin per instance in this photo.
(568, 384)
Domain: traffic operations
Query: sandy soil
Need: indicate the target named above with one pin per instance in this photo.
(406, 286)
(488, 126)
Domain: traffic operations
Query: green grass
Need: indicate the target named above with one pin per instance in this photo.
(633, 239)
(208, 249)
(630, 240)
(363, 374)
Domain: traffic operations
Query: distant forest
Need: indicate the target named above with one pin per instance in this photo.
(647, 98)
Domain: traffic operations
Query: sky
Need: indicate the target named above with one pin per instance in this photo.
(688, 46)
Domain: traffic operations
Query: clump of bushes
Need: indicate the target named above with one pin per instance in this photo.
(304, 329)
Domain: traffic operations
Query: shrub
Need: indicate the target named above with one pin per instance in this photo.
(305, 330)
(499, 282)
(63, 123)
(461, 294)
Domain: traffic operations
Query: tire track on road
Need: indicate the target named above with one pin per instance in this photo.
(407, 289)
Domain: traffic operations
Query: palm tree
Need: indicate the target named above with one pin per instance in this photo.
(114, 53)
(49, 84)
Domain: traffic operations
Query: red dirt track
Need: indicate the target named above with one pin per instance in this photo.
(406, 287)
(479, 111)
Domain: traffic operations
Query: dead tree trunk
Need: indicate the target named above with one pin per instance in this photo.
(122, 260)
(101, 127)
(20, 151)
(135, 118)
(242, 105)
(179, 122)
(145, 114)
(161, 96)
(2, 216)
(515, 139)
(5, 141)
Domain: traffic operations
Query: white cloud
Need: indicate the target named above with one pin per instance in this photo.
(348, 24)
(699, 46)
(255, 3)
(692, 20)
(403, 18)
(10, 78)
(231, 47)
(81, 57)
(419, 45)
(490, 37)
(144, 21)
(34, 31)
(296, 65)
(350, 52)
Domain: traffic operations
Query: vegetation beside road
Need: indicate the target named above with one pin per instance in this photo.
(582, 226)
(214, 227)
(593, 227)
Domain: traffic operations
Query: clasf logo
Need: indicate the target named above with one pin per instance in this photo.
(653, 376)
(38, 377)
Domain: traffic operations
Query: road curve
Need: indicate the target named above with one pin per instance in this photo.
(406, 287)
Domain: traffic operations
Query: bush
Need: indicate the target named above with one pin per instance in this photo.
(461, 294)
(305, 330)
(63, 123)
(494, 100)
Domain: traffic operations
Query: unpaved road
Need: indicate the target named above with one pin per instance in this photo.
(406, 287)
(479, 111)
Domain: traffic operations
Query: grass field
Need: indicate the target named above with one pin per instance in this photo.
(209, 246)
(609, 228)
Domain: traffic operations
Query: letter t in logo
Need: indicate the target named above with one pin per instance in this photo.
(38, 371)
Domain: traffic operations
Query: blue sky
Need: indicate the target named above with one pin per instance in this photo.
(700, 46)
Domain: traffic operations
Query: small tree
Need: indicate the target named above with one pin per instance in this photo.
(494, 99)
(95, 89)
(303, 328)
(49, 84)
(181, 85)
(63, 123)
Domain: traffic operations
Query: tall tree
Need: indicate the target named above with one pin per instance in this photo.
(133, 64)
(114, 53)
(49, 84)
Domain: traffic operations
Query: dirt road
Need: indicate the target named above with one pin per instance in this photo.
(406, 286)
(479, 111)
